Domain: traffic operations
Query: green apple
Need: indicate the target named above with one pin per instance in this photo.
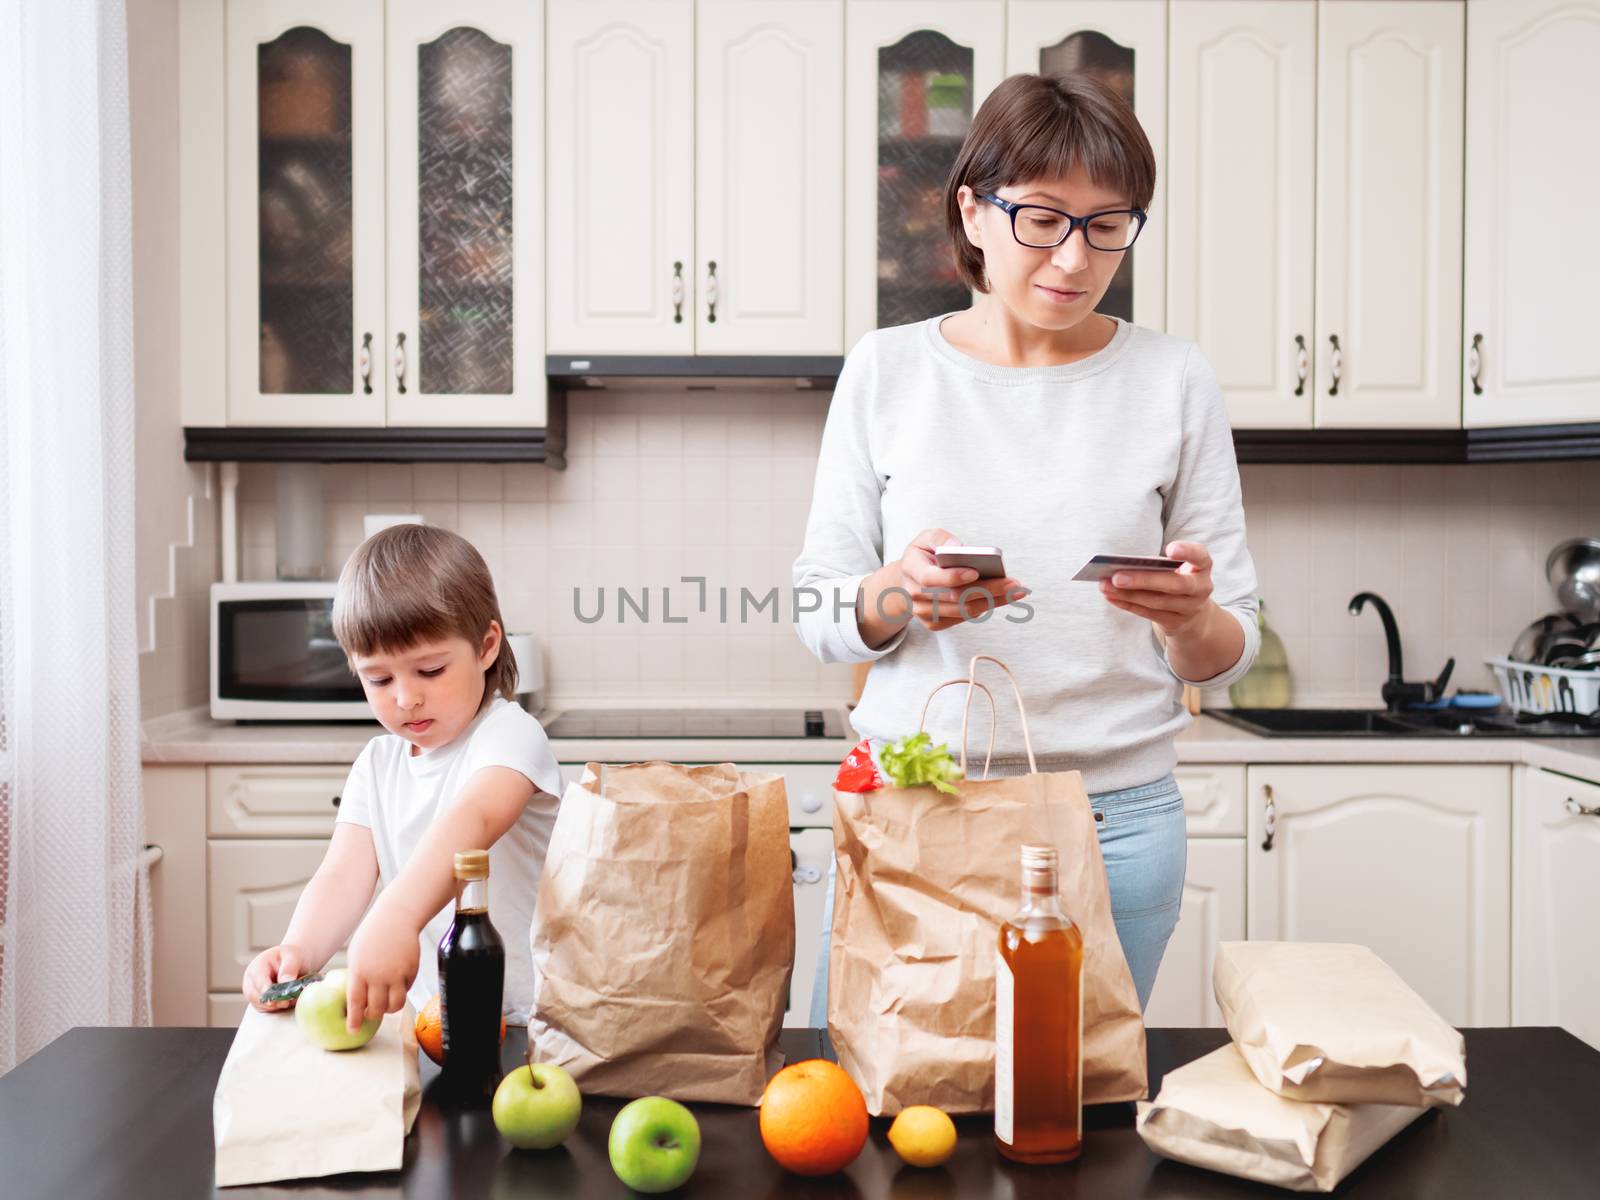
(320, 1013)
(536, 1106)
(655, 1144)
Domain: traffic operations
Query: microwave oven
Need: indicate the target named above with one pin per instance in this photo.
(274, 656)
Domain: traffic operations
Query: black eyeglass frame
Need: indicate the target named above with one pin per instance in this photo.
(1012, 207)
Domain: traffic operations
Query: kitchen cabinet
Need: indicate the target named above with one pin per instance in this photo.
(175, 822)
(681, 220)
(1410, 860)
(915, 73)
(1555, 909)
(1532, 244)
(1212, 912)
(1315, 255)
(1123, 43)
(813, 855)
(385, 231)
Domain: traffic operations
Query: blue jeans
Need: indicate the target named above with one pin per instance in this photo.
(1146, 851)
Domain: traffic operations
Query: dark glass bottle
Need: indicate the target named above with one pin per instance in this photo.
(472, 976)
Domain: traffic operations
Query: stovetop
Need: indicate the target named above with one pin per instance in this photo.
(1466, 722)
(694, 722)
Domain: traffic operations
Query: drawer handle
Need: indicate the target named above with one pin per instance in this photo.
(1271, 817)
(336, 801)
(806, 875)
(1582, 810)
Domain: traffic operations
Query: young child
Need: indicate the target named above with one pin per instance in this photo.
(463, 766)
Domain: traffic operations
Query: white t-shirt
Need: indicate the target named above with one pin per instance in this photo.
(397, 795)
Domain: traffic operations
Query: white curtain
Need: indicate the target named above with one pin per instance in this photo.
(74, 910)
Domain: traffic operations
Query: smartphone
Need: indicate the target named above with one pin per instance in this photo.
(985, 560)
(1104, 566)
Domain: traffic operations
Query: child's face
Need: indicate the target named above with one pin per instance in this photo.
(428, 693)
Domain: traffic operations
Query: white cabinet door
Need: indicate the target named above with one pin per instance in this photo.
(1124, 42)
(273, 800)
(769, 177)
(1556, 907)
(1212, 912)
(1412, 861)
(813, 852)
(253, 887)
(305, 200)
(1532, 243)
(1213, 799)
(465, 261)
(1241, 89)
(915, 73)
(619, 176)
(1389, 120)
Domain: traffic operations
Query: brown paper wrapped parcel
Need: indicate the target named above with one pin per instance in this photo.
(663, 937)
(286, 1109)
(1331, 1022)
(1214, 1113)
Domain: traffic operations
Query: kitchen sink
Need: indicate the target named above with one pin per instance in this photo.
(1316, 722)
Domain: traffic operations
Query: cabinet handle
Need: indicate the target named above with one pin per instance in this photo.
(1336, 364)
(1582, 810)
(711, 293)
(336, 800)
(1271, 816)
(1475, 364)
(365, 359)
(400, 361)
(1302, 361)
(677, 293)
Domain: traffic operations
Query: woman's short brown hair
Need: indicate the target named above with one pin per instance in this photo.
(1041, 127)
(410, 584)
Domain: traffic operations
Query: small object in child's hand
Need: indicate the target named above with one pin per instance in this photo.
(915, 760)
(857, 772)
(288, 989)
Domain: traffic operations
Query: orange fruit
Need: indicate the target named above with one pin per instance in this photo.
(813, 1118)
(430, 1034)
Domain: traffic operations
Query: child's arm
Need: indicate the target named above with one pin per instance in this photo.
(383, 956)
(326, 914)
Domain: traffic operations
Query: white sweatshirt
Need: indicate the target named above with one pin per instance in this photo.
(1121, 452)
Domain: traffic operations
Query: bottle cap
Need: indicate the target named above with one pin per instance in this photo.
(472, 864)
(1038, 856)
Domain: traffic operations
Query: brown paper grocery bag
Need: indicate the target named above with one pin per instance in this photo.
(1334, 1022)
(663, 937)
(1213, 1113)
(924, 880)
(285, 1109)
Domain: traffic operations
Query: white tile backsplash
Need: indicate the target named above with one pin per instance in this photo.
(662, 485)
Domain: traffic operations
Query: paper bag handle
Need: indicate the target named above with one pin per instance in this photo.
(922, 721)
(1022, 711)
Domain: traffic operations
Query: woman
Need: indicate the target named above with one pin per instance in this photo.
(1033, 423)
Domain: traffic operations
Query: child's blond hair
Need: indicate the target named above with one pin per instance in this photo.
(410, 584)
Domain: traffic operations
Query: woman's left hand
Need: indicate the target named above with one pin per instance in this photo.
(1177, 601)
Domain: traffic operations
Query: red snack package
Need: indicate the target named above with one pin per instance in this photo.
(857, 773)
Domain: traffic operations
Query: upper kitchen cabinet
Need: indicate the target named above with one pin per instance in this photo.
(1241, 199)
(1532, 244)
(915, 73)
(305, 201)
(466, 213)
(695, 180)
(1389, 114)
(378, 279)
(1123, 43)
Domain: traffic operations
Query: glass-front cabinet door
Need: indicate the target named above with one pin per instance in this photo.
(916, 73)
(305, 199)
(1123, 43)
(466, 213)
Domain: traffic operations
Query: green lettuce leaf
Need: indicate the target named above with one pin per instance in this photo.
(915, 760)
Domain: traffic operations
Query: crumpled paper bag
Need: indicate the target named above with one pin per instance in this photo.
(285, 1109)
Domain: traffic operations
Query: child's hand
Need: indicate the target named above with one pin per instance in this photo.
(383, 962)
(272, 966)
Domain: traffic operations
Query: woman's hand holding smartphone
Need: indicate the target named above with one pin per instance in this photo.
(946, 596)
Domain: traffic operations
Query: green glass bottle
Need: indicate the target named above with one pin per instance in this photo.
(1266, 683)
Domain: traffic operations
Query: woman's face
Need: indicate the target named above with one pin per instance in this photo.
(1052, 289)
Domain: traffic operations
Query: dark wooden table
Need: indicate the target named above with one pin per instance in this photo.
(126, 1114)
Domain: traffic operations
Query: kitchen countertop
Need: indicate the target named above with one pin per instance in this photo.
(193, 737)
(126, 1114)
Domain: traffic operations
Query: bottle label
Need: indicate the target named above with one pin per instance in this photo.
(1004, 1022)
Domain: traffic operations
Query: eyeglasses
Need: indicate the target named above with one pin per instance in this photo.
(1042, 228)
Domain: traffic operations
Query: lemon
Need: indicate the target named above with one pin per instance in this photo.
(923, 1135)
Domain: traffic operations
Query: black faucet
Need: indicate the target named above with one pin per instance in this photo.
(1396, 691)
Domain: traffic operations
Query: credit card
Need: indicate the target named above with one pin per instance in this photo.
(1104, 566)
